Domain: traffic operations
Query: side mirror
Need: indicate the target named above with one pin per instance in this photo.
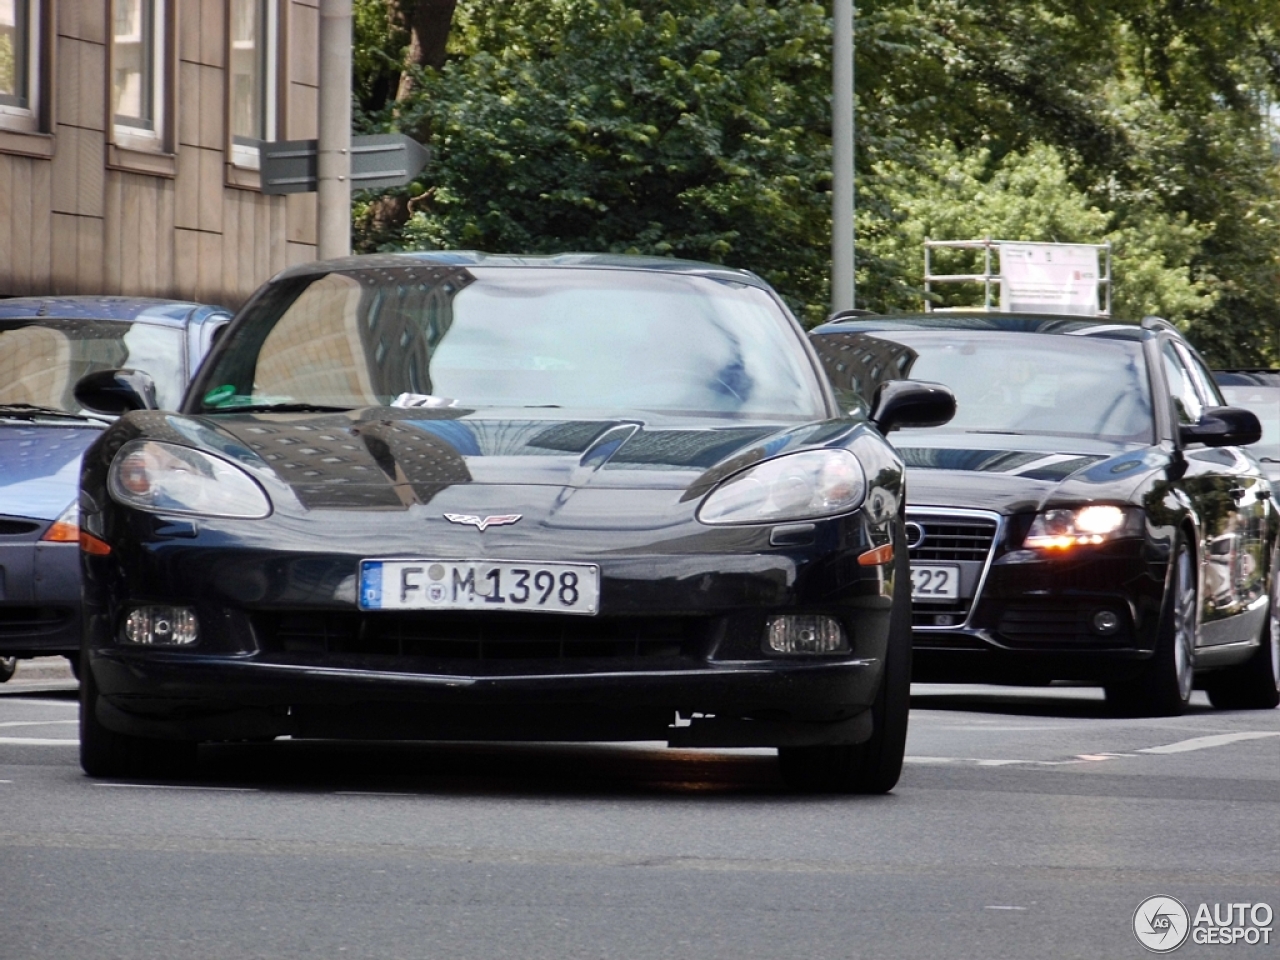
(1223, 427)
(116, 391)
(911, 403)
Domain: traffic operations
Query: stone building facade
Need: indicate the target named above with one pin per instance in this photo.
(128, 144)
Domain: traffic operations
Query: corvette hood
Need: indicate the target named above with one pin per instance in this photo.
(40, 468)
(1013, 474)
(386, 457)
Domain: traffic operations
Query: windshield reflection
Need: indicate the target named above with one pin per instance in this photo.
(41, 360)
(494, 337)
(1015, 384)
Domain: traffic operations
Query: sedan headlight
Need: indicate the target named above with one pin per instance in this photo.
(66, 529)
(1065, 528)
(166, 478)
(798, 486)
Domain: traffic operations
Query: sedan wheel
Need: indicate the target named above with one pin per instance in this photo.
(1164, 688)
(7, 667)
(1255, 684)
(1185, 616)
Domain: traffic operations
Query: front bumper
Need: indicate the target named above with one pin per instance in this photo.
(284, 651)
(1031, 617)
(40, 610)
(180, 696)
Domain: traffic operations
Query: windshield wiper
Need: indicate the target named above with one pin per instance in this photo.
(1003, 433)
(278, 408)
(29, 411)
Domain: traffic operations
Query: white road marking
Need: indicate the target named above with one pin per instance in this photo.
(36, 723)
(1204, 743)
(997, 907)
(1182, 746)
(982, 762)
(6, 702)
(174, 786)
(971, 728)
(37, 742)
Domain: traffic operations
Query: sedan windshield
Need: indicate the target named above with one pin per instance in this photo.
(432, 335)
(41, 359)
(1019, 383)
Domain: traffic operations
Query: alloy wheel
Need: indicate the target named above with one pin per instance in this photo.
(1275, 634)
(1184, 641)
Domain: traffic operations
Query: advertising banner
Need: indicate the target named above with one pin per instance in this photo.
(1048, 278)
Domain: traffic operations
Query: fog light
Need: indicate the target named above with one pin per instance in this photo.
(808, 634)
(161, 626)
(1105, 622)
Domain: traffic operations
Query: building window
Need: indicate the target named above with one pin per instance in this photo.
(139, 68)
(20, 63)
(252, 77)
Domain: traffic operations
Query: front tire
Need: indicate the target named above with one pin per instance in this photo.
(875, 765)
(1254, 684)
(105, 753)
(1164, 688)
(8, 666)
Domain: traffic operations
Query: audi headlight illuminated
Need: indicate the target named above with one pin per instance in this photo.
(167, 478)
(798, 486)
(1065, 528)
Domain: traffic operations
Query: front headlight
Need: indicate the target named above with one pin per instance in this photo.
(1065, 528)
(166, 478)
(798, 486)
(66, 529)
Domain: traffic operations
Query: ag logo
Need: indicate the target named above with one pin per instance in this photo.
(1161, 924)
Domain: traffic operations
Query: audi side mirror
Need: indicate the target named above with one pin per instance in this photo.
(1223, 427)
(911, 403)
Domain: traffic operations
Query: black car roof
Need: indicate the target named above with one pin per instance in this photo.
(1068, 325)
(1247, 378)
(474, 258)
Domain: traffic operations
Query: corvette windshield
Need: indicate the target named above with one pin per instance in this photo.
(42, 358)
(1026, 383)
(436, 335)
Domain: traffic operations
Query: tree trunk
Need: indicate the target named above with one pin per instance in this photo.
(427, 23)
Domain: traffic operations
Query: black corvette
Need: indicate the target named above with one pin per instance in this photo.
(1089, 514)
(456, 496)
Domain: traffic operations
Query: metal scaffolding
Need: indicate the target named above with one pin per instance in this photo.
(992, 280)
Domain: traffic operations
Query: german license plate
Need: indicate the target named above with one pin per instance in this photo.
(493, 585)
(935, 581)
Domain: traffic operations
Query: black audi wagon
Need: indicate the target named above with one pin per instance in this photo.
(1091, 513)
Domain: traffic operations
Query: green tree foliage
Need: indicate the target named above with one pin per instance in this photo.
(946, 194)
(377, 57)
(700, 128)
(682, 128)
(1158, 109)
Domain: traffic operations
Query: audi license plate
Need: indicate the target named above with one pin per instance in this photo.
(480, 585)
(935, 582)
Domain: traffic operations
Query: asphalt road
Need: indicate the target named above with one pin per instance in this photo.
(1028, 824)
